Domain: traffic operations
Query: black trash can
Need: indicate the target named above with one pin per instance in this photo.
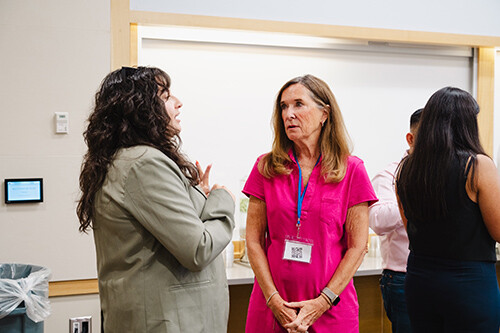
(24, 302)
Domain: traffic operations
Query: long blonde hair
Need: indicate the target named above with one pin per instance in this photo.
(335, 144)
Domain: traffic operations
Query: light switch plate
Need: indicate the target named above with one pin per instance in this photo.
(62, 122)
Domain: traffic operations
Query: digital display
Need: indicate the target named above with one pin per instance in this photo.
(23, 190)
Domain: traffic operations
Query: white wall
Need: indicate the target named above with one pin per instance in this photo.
(54, 55)
(450, 16)
(64, 308)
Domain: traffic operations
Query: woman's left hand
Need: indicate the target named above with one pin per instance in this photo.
(309, 312)
(203, 178)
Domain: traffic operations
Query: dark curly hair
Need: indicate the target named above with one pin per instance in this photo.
(128, 112)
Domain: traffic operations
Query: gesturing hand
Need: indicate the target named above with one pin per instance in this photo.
(203, 177)
(309, 312)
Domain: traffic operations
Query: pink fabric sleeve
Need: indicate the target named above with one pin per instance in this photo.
(361, 188)
(255, 183)
(384, 215)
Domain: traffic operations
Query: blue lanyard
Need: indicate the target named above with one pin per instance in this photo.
(301, 193)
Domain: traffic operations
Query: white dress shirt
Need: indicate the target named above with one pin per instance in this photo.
(386, 221)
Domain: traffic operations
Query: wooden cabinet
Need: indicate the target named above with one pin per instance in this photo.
(372, 318)
(371, 309)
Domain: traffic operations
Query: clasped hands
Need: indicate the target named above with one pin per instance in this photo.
(297, 317)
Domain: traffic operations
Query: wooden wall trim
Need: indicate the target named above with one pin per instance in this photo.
(486, 96)
(120, 33)
(73, 287)
(134, 45)
(318, 30)
(90, 286)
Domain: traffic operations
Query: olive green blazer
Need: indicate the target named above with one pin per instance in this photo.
(158, 244)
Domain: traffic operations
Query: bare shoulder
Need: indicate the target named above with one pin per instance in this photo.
(485, 159)
(486, 171)
(485, 165)
(488, 193)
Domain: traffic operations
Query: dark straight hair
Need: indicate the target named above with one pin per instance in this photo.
(415, 119)
(447, 130)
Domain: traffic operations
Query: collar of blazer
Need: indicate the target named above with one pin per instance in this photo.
(198, 188)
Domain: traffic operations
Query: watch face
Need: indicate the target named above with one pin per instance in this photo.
(336, 301)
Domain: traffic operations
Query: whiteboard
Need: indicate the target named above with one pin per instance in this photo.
(228, 91)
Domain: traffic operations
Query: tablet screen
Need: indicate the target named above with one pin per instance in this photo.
(23, 190)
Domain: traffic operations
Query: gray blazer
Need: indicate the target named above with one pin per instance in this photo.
(158, 241)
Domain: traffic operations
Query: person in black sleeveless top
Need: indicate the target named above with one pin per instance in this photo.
(448, 191)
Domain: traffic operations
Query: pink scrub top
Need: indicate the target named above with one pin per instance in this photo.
(324, 212)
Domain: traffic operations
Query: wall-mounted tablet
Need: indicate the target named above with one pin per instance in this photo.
(23, 190)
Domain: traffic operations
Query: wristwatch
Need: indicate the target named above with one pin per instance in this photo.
(334, 298)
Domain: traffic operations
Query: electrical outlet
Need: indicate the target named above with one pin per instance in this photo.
(80, 324)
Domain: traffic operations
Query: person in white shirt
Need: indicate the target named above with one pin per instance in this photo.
(386, 221)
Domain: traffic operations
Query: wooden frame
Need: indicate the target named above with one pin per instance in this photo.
(124, 51)
(73, 287)
(486, 96)
(312, 29)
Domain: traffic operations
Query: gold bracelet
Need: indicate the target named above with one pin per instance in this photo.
(271, 296)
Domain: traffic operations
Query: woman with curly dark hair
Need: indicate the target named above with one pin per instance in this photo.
(158, 227)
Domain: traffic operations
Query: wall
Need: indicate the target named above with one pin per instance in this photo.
(54, 54)
(64, 308)
(449, 16)
(57, 53)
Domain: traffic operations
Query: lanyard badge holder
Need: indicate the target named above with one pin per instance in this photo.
(297, 248)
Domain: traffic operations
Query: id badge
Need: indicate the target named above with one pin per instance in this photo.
(298, 250)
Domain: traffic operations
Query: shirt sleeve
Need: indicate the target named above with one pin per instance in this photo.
(254, 185)
(361, 189)
(157, 197)
(384, 214)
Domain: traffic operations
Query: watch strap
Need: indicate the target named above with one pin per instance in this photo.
(334, 298)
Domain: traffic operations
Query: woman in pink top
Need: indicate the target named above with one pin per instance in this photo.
(307, 225)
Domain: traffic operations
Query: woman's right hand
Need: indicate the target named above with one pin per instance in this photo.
(283, 314)
(217, 186)
(203, 177)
